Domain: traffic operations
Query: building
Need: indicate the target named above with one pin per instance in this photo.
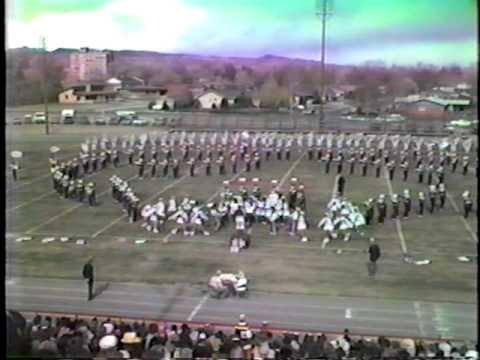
(430, 106)
(87, 65)
(87, 94)
(212, 100)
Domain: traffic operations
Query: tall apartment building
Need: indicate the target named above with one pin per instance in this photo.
(87, 65)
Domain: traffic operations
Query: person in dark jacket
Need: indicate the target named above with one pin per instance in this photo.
(88, 273)
(341, 185)
(374, 255)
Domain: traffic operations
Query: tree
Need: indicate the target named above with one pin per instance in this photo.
(272, 95)
(147, 73)
(229, 72)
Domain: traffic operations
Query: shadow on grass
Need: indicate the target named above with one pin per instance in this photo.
(99, 290)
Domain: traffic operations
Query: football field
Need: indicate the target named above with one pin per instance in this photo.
(275, 264)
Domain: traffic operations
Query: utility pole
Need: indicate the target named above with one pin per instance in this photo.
(44, 83)
(322, 12)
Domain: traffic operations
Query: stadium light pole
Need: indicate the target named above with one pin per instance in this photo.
(44, 83)
(322, 12)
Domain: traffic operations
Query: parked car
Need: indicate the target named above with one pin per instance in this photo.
(54, 120)
(100, 121)
(39, 118)
(68, 121)
(125, 121)
(114, 120)
(82, 120)
(27, 119)
(139, 122)
(159, 122)
(17, 121)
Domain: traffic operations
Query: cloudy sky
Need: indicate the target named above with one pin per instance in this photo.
(393, 31)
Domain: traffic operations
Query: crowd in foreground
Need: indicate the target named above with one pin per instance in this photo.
(46, 337)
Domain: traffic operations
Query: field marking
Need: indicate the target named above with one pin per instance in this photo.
(27, 183)
(397, 221)
(194, 312)
(348, 313)
(418, 313)
(465, 222)
(149, 199)
(69, 210)
(289, 171)
(335, 184)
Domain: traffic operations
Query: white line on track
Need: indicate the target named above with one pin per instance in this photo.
(334, 191)
(67, 211)
(465, 222)
(397, 221)
(149, 199)
(194, 312)
(418, 313)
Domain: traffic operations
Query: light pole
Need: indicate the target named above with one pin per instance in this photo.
(322, 12)
(44, 83)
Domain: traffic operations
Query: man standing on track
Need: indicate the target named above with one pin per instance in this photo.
(374, 255)
(88, 274)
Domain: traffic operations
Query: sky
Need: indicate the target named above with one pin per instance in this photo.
(402, 32)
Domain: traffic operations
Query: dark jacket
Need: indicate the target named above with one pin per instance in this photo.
(374, 251)
(88, 271)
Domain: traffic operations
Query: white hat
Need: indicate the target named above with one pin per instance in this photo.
(242, 316)
(131, 338)
(108, 342)
(108, 328)
(274, 181)
(202, 336)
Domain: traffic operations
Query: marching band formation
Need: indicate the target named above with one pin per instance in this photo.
(166, 153)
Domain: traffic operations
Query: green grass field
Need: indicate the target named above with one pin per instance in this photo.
(275, 264)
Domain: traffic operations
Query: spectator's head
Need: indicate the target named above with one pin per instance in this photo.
(108, 342)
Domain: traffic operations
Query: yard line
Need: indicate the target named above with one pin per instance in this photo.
(334, 191)
(194, 312)
(397, 221)
(418, 313)
(465, 222)
(69, 210)
(149, 199)
(289, 171)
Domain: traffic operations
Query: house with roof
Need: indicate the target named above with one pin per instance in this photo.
(217, 99)
(87, 94)
(176, 96)
(430, 106)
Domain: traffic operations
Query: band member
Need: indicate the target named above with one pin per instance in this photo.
(369, 211)
(352, 161)
(391, 169)
(221, 166)
(430, 175)
(310, 153)
(208, 166)
(103, 160)
(257, 160)
(465, 164)
(420, 171)
(395, 206)
(467, 204)
(14, 168)
(80, 190)
(404, 166)
(364, 163)
(248, 163)
(175, 168)
(454, 163)
(115, 158)
(93, 162)
(378, 167)
(141, 167)
(381, 208)
(407, 203)
(327, 165)
(233, 161)
(191, 164)
(164, 164)
(442, 192)
(432, 195)
(90, 191)
(153, 167)
(421, 203)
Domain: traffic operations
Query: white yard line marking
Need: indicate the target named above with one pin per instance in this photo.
(289, 171)
(418, 313)
(146, 201)
(194, 312)
(334, 191)
(348, 313)
(69, 210)
(465, 222)
(397, 221)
